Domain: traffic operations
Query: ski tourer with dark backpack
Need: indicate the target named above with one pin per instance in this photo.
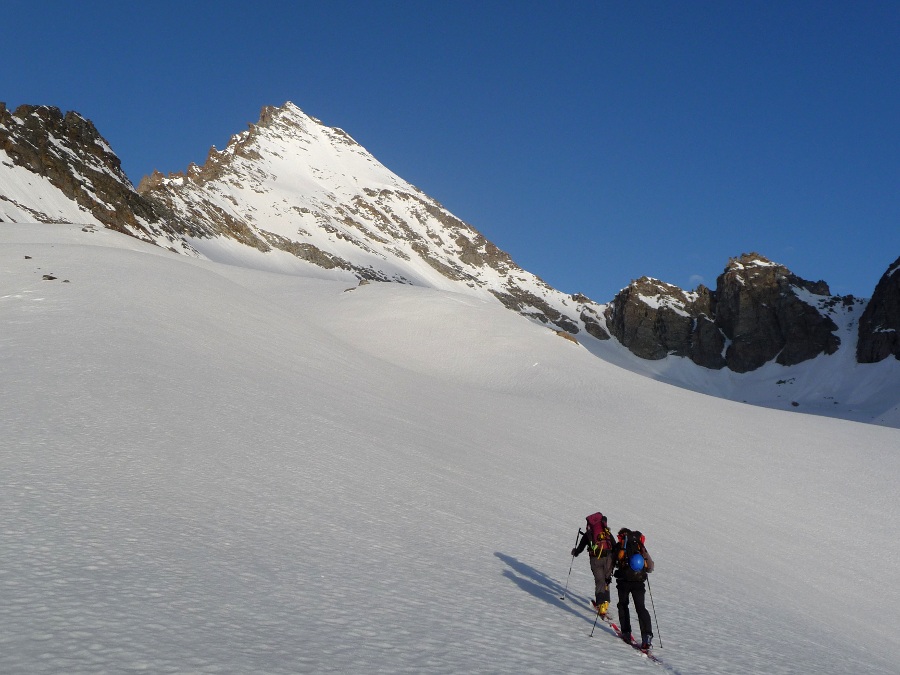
(633, 563)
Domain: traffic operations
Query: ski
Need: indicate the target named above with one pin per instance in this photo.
(618, 632)
(635, 645)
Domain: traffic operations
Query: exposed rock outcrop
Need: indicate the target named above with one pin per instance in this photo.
(591, 317)
(759, 311)
(67, 150)
(654, 319)
(759, 307)
(879, 327)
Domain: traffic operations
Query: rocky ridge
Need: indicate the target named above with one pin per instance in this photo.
(69, 153)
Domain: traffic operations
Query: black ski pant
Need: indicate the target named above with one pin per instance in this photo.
(637, 591)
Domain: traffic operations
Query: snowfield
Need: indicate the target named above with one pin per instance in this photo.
(208, 468)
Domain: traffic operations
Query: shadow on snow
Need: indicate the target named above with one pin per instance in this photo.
(537, 584)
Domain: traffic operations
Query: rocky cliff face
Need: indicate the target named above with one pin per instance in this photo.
(67, 152)
(655, 319)
(758, 312)
(879, 327)
(767, 312)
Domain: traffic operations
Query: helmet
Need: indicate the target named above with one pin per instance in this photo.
(636, 562)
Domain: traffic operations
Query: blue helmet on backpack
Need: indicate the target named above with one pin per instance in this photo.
(636, 562)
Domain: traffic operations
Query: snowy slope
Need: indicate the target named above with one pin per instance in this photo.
(207, 468)
(29, 197)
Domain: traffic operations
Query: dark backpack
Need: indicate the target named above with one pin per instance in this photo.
(601, 542)
(633, 544)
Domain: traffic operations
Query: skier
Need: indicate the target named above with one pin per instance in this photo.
(633, 564)
(599, 541)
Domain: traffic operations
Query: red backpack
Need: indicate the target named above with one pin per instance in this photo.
(601, 538)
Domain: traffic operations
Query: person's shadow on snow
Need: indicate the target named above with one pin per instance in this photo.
(538, 584)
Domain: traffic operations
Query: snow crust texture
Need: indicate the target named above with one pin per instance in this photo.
(209, 468)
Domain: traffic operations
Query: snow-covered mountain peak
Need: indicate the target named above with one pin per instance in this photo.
(293, 184)
(291, 119)
(293, 149)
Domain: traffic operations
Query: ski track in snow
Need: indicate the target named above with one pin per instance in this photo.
(218, 470)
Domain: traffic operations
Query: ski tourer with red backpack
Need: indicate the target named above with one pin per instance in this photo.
(598, 540)
(633, 563)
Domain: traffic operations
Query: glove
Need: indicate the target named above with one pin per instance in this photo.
(574, 552)
(608, 580)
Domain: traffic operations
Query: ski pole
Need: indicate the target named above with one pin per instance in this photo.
(563, 596)
(654, 612)
(595, 623)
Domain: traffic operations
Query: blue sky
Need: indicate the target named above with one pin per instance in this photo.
(596, 142)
